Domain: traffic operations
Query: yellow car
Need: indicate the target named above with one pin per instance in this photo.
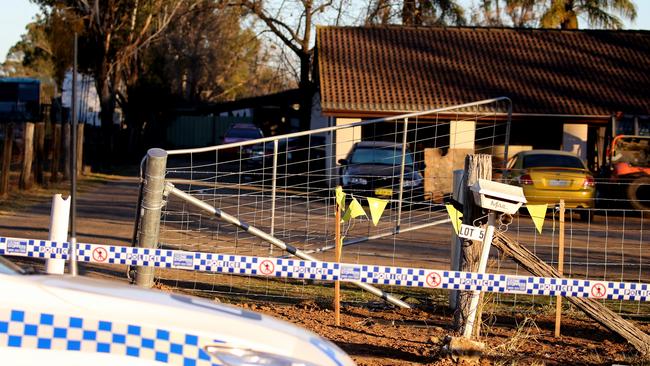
(549, 175)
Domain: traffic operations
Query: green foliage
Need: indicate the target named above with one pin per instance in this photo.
(599, 13)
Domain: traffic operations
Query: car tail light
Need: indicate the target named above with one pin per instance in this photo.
(589, 182)
(525, 180)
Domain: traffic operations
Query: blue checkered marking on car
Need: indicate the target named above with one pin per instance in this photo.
(328, 271)
(34, 330)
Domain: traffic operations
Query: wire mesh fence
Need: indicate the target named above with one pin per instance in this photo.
(285, 185)
(609, 246)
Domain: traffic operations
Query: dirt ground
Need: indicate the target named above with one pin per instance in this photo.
(373, 334)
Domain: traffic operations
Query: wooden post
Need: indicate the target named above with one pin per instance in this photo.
(339, 249)
(80, 148)
(456, 242)
(39, 140)
(477, 166)
(6, 159)
(560, 270)
(25, 181)
(66, 150)
(56, 152)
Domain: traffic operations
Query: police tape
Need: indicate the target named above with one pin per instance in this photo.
(327, 271)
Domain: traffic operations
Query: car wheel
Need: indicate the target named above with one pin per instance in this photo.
(638, 193)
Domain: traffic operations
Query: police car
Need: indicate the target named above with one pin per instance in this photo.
(61, 320)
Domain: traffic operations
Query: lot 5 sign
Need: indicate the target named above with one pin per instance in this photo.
(471, 232)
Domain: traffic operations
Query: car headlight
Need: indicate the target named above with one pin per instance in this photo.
(231, 356)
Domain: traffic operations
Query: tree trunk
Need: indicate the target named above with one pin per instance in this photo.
(25, 182)
(66, 150)
(6, 159)
(56, 152)
(307, 92)
(39, 139)
(408, 12)
(478, 166)
(570, 20)
(107, 104)
(80, 148)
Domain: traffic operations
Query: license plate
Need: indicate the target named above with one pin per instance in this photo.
(383, 192)
(558, 183)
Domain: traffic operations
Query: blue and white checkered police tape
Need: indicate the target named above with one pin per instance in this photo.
(328, 271)
(45, 331)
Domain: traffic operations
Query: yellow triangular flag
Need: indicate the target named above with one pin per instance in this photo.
(354, 210)
(455, 217)
(340, 197)
(376, 207)
(538, 213)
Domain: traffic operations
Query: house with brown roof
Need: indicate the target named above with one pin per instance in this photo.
(565, 86)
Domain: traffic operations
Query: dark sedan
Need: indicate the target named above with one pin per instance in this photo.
(372, 168)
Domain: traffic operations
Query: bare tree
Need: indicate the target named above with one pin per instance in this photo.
(293, 23)
(113, 33)
(515, 13)
(415, 12)
(432, 13)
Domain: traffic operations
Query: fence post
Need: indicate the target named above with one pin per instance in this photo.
(337, 258)
(560, 270)
(152, 200)
(454, 265)
(477, 166)
(59, 219)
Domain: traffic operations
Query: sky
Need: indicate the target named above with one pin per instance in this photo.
(16, 14)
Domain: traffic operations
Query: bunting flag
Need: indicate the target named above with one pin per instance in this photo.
(354, 210)
(340, 198)
(376, 207)
(455, 216)
(537, 213)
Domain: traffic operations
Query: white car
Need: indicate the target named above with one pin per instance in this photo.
(62, 320)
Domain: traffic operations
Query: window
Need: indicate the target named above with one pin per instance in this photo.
(379, 156)
(552, 161)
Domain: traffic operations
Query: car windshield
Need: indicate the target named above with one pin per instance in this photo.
(552, 161)
(387, 156)
(249, 133)
(7, 267)
(632, 150)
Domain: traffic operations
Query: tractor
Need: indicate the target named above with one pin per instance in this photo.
(626, 172)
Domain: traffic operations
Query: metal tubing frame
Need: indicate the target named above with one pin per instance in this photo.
(379, 236)
(274, 189)
(152, 202)
(271, 239)
(73, 168)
